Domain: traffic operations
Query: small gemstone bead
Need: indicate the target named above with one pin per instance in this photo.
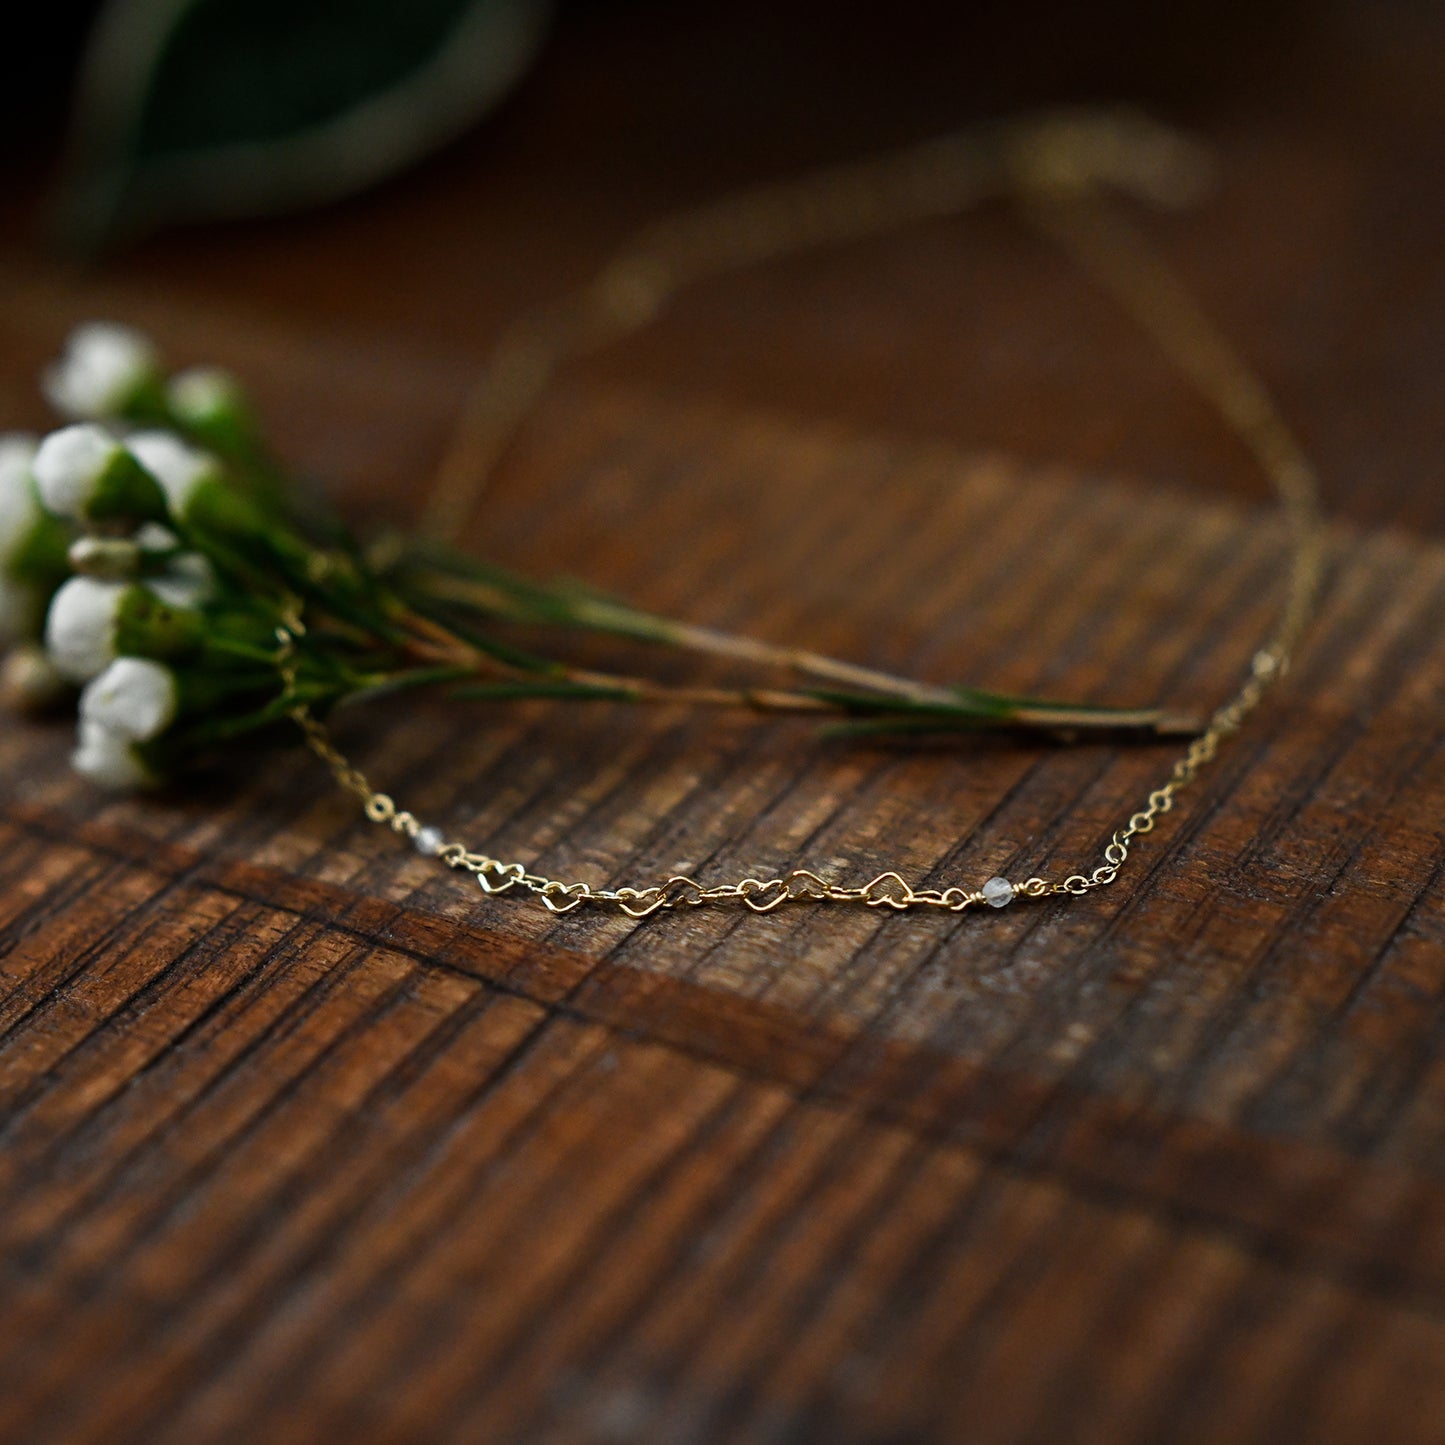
(429, 841)
(998, 892)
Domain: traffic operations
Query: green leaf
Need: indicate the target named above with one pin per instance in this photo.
(975, 707)
(190, 109)
(405, 681)
(542, 688)
(490, 646)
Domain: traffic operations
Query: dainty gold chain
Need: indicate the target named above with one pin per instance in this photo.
(1056, 167)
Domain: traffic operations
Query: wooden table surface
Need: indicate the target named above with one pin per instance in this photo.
(301, 1140)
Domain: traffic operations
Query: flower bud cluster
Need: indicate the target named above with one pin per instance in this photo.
(136, 563)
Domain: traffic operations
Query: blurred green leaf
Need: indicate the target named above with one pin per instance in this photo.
(194, 109)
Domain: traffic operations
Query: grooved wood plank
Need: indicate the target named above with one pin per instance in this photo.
(303, 1138)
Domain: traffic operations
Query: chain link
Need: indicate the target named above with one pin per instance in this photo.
(1054, 168)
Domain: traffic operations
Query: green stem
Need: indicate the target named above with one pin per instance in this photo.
(863, 689)
(450, 656)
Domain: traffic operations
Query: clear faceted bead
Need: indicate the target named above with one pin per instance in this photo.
(429, 841)
(998, 892)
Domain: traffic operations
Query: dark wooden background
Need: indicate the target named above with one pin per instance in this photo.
(301, 1140)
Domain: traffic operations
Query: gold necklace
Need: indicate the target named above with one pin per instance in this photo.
(1054, 168)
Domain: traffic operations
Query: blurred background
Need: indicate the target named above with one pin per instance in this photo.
(346, 200)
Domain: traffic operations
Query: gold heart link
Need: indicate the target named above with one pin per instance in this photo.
(681, 889)
(631, 901)
(764, 897)
(508, 873)
(802, 884)
(887, 890)
(576, 894)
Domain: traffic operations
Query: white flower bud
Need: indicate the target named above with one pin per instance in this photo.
(108, 758)
(152, 537)
(201, 393)
(179, 468)
(103, 367)
(19, 506)
(69, 465)
(134, 698)
(80, 626)
(112, 557)
(84, 472)
(188, 581)
(92, 619)
(20, 605)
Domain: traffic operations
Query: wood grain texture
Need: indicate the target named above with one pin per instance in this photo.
(302, 1140)
(304, 1137)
